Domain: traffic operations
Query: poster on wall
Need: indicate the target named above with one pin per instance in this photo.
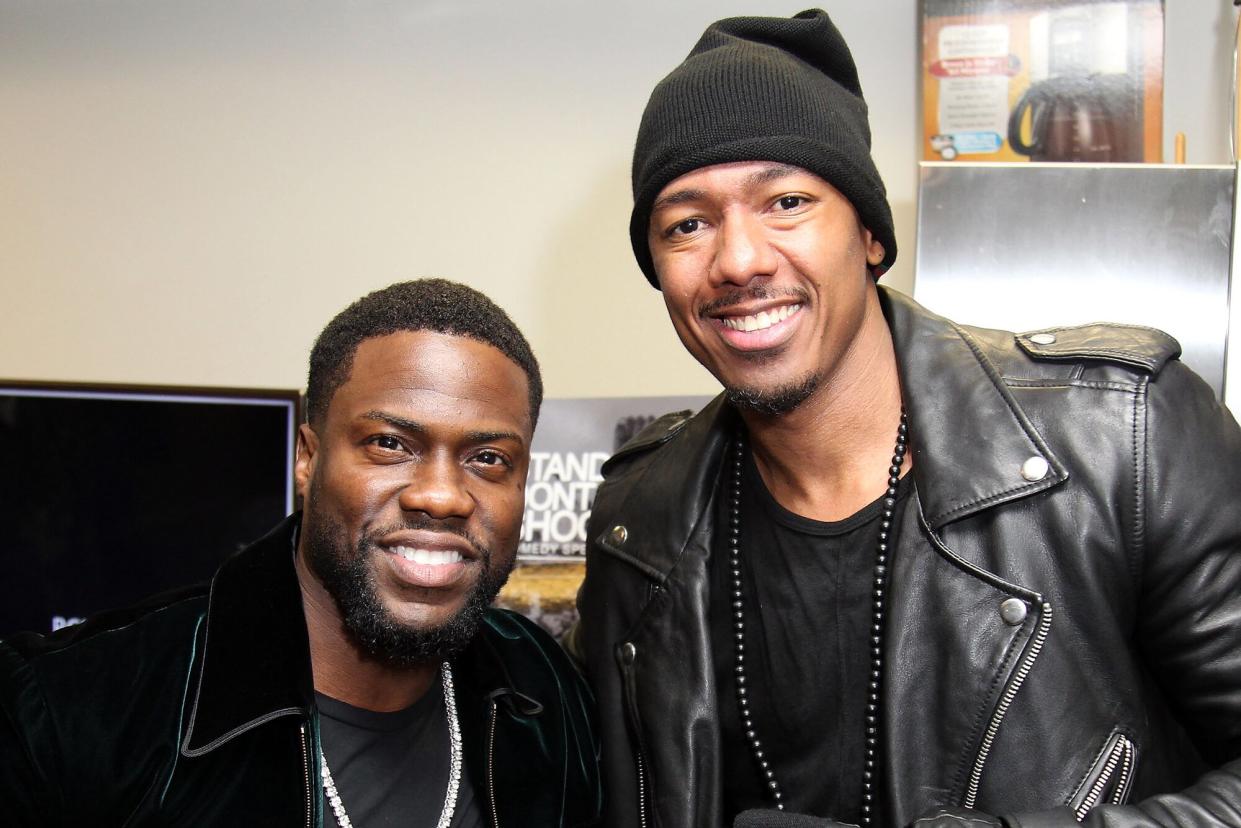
(109, 494)
(1042, 80)
(573, 440)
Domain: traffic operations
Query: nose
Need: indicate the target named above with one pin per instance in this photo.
(743, 251)
(437, 488)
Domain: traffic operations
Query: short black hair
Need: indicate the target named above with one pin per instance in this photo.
(421, 305)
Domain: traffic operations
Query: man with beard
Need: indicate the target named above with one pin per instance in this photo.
(901, 570)
(346, 669)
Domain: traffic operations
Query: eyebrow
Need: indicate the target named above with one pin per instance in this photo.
(675, 198)
(773, 173)
(767, 174)
(416, 427)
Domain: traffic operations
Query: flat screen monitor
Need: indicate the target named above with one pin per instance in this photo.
(109, 494)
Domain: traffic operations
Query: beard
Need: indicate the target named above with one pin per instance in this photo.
(347, 576)
(774, 401)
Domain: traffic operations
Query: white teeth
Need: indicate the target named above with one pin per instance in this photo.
(432, 557)
(761, 320)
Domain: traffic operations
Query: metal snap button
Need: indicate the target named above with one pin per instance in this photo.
(628, 652)
(1013, 611)
(619, 534)
(1043, 338)
(1035, 468)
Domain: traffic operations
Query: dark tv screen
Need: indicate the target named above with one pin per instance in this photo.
(108, 495)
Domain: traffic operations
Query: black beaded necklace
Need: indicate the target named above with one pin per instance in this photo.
(876, 637)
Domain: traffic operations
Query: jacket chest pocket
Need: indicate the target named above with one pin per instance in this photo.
(1109, 778)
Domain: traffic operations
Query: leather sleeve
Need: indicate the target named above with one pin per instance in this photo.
(1187, 460)
(27, 799)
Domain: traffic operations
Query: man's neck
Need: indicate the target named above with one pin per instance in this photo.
(829, 458)
(340, 669)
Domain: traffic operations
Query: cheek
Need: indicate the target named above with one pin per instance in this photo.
(679, 302)
(352, 495)
(501, 513)
(678, 282)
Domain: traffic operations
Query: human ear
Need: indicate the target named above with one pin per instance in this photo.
(874, 251)
(307, 454)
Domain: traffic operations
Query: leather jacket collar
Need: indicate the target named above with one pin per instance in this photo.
(255, 663)
(970, 457)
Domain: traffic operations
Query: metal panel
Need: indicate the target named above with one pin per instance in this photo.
(1021, 246)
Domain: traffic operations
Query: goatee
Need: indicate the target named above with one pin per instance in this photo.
(774, 401)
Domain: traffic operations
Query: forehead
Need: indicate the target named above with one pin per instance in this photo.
(434, 377)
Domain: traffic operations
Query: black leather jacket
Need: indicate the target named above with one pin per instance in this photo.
(197, 709)
(1113, 676)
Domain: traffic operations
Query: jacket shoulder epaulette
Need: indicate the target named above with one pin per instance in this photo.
(660, 431)
(1143, 348)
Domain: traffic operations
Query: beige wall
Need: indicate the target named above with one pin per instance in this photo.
(189, 190)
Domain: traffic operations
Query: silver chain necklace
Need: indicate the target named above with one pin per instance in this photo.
(454, 771)
(877, 614)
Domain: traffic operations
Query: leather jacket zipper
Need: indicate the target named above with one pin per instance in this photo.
(306, 777)
(491, 764)
(1023, 667)
(627, 654)
(1006, 700)
(1118, 766)
(641, 791)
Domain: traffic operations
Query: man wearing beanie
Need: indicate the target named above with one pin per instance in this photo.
(901, 571)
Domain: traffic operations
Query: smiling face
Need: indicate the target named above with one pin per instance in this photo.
(413, 483)
(763, 268)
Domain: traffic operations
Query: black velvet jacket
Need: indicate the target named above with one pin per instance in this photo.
(197, 709)
(1062, 647)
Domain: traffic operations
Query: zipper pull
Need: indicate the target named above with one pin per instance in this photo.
(518, 704)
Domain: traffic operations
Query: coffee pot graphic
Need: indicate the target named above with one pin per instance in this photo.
(1079, 106)
(1069, 120)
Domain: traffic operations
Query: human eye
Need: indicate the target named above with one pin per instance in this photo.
(790, 202)
(684, 227)
(492, 457)
(385, 445)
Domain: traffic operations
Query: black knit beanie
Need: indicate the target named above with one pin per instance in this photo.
(761, 89)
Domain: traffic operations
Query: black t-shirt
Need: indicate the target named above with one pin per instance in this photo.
(391, 769)
(807, 592)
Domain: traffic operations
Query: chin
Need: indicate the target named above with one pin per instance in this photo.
(419, 635)
(418, 617)
(776, 400)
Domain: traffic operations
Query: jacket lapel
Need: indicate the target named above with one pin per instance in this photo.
(255, 653)
(687, 469)
(968, 436)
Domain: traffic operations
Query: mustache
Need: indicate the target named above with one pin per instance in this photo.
(738, 296)
(421, 522)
